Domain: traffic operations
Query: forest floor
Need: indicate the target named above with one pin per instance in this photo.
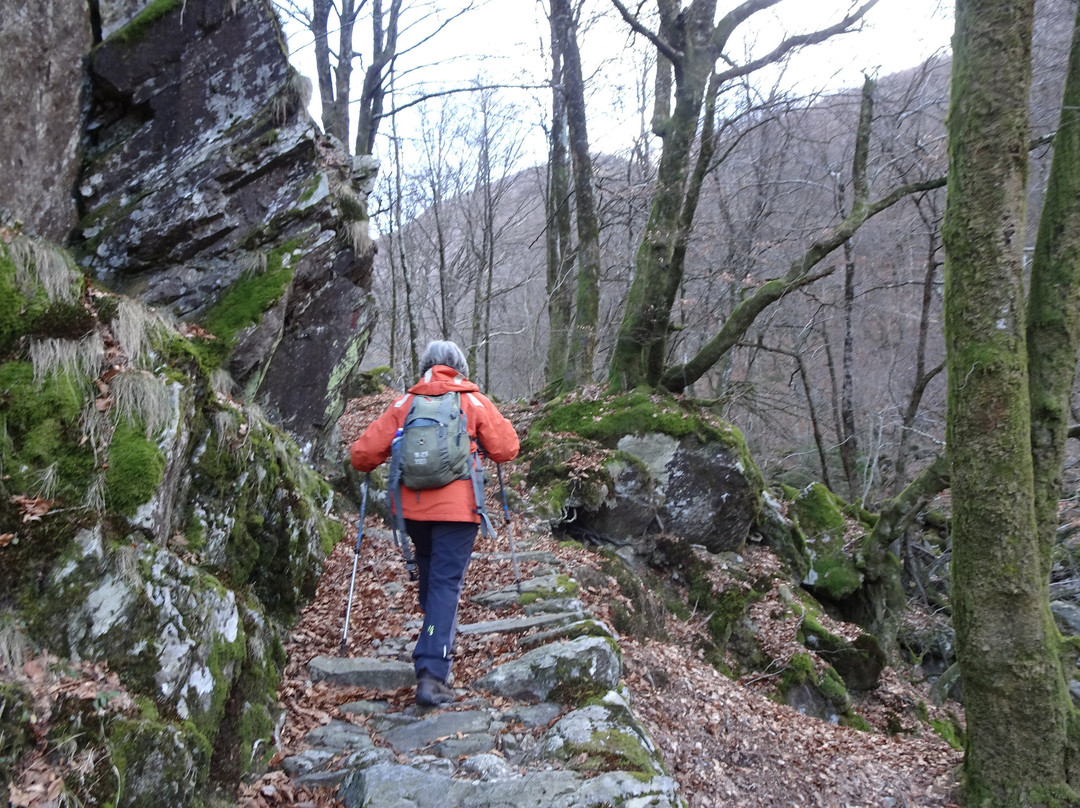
(725, 741)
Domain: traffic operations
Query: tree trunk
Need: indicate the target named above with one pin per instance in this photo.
(558, 238)
(923, 377)
(579, 365)
(1053, 326)
(882, 592)
(1015, 698)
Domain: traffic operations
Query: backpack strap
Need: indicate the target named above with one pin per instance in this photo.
(397, 515)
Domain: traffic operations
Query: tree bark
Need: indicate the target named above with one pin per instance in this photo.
(558, 235)
(882, 593)
(1015, 697)
(1053, 326)
(579, 364)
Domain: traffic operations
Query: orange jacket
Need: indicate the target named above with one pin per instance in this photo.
(455, 502)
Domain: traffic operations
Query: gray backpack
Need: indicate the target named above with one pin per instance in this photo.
(433, 444)
(429, 451)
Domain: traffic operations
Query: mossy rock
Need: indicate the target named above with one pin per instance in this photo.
(645, 615)
(819, 513)
(822, 695)
(639, 412)
(859, 663)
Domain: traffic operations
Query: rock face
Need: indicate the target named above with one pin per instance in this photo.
(174, 531)
(42, 48)
(181, 151)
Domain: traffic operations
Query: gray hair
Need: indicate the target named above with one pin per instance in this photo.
(444, 352)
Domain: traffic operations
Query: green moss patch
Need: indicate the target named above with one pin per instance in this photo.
(136, 467)
(606, 420)
(41, 441)
(136, 30)
(820, 514)
(247, 299)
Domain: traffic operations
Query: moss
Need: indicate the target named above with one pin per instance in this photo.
(310, 188)
(169, 763)
(11, 302)
(135, 30)
(642, 615)
(243, 305)
(950, 731)
(136, 467)
(855, 721)
(819, 511)
(61, 320)
(799, 668)
(40, 432)
(333, 533)
(832, 686)
(606, 420)
(611, 750)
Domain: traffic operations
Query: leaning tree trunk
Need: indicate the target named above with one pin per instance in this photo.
(1053, 327)
(1014, 695)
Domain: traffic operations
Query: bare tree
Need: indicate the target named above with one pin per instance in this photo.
(690, 41)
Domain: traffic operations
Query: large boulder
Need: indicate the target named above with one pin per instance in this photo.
(618, 469)
(154, 525)
(208, 190)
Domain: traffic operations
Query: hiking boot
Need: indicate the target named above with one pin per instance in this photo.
(430, 691)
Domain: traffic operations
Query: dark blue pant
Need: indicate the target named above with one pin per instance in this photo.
(443, 550)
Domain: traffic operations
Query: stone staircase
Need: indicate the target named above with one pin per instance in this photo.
(551, 728)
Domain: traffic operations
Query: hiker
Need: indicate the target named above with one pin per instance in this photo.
(442, 522)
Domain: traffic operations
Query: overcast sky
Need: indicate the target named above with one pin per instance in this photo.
(505, 41)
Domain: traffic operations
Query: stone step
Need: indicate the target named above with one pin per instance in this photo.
(376, 674)
(518, 625)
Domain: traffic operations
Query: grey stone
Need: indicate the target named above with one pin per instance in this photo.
(546, 586)
(387, 786)
(339, 736)
(330, 779)
(1067, 617)
(571, 606)
(487, 767)
(42, 49)
(375, 674)
(364, 707)
(534, 715)
(590, 628)
(310, 760)
(472, 744)
(426, 732)
(556, 669)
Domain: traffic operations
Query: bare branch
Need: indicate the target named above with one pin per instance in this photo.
(662, 46)
(795, 42)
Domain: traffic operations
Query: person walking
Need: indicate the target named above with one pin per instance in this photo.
(441, 522)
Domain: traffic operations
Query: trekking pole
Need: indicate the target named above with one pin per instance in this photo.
(509, 531)
(356, 556)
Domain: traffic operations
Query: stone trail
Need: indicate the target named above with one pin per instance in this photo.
(552, 728)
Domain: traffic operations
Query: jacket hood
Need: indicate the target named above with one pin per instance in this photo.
(442, 379)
